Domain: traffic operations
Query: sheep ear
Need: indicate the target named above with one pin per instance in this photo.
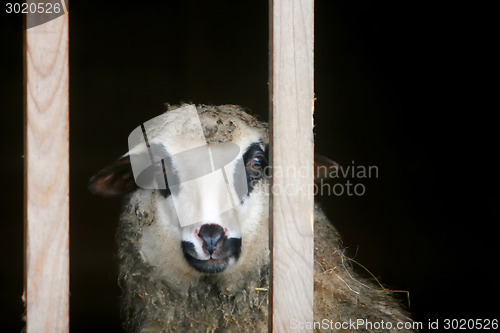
(115, 179)
(324, 168)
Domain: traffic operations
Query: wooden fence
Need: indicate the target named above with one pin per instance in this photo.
(292, 202)
(47, 175)
(47, 168)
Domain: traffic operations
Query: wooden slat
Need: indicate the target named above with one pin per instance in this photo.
(292, 204)
(47, 176)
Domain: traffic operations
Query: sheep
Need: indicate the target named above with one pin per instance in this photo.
(212, 275)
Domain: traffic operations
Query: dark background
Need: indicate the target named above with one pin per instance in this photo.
(404, 86)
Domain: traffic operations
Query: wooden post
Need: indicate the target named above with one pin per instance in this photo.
(47, 175)
(292, 201)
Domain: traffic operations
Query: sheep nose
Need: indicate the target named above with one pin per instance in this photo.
(212, 235)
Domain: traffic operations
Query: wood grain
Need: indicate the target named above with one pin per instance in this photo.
(292, 203)
(47, 177)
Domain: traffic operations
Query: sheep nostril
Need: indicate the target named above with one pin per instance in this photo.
(212, 235)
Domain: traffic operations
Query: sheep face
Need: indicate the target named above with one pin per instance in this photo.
(219, 236)
(210, 201)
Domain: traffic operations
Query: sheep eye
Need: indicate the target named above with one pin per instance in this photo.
(255, 160)
(256, 163)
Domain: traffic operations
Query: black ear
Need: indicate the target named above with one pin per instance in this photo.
(115, 179)
(324, 168)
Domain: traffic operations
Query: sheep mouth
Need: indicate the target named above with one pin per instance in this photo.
(208, 266)
(217, 262)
